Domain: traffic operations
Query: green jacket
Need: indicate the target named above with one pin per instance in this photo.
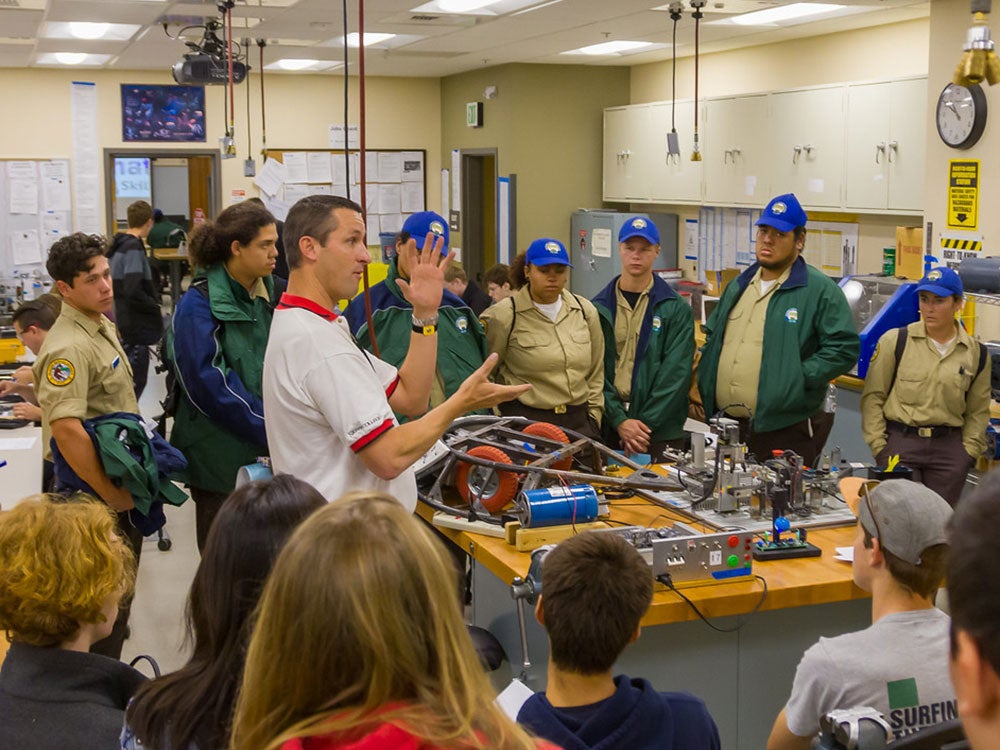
(219, 342)
(809, 339)
(461, 341)
(661, 375)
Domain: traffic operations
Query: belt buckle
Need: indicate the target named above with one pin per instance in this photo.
(925, 432)
(561, 409)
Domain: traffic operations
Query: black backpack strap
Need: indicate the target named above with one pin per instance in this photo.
(513, 321)
(984, 355)
(900, 348)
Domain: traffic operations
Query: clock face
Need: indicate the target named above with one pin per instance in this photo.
(961, 115)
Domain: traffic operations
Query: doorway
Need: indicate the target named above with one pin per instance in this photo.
(479, 211)
(184, 184)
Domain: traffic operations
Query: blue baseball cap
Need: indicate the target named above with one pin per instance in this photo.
(784, 213)
(943, 282)
(546, 251)
(422, 222)
(639, 226)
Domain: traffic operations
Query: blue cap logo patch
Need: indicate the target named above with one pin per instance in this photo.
(778, 208)
(657, 323)
(437, 228)
(462, 324)
(553, 247)
(792, 315)
(934, 275)
(638, 223)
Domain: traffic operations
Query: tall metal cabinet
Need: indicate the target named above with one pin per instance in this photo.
(593, 247)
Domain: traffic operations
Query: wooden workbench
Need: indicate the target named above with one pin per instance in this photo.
(744, 676)
(791, 583)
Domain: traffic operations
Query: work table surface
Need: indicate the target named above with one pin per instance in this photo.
(791, 583)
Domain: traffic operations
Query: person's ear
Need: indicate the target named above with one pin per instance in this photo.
(63, 288)
(539, 612)
(800, 241)
(636, 634)
(235, 248)
(876, 553)
(307, 247)
(977, 685)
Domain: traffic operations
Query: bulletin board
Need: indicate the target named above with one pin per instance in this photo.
(36, 209)
(396, 182)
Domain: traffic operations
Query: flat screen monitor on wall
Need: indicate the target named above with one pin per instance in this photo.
(163, 113)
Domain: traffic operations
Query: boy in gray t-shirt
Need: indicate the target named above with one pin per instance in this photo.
(899, 665)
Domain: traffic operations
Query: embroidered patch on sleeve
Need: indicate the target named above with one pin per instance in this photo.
(60, 372)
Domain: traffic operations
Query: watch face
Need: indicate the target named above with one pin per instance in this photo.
(961, 115)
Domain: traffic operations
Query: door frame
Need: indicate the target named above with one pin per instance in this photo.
(215, 194)
(466, 200)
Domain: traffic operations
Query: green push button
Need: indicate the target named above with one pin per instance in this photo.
(732, 561)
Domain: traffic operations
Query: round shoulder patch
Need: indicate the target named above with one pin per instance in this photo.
(60, 372)
(485, 324)
(874, 356)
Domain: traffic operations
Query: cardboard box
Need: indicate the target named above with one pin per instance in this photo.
(910, 252)
(717, 281)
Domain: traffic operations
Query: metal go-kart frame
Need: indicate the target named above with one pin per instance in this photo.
(488, 460)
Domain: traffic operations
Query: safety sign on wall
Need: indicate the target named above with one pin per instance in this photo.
(963, 194)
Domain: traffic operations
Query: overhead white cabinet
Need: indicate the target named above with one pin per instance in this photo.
(673, 179)
(806, 134)
(735, 150)
(626, 131)
(886, 131)
(856, 147)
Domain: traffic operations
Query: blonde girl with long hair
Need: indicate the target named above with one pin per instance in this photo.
(360, 643)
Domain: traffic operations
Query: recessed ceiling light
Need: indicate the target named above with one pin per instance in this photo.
(792, 12)
(70, 58)
(463, 6)
(89, 30)
(301, 64)
(608, 48)
(371, 38)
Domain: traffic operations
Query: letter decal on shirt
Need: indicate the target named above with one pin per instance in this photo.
(60, 372)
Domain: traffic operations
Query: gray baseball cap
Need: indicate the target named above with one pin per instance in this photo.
(909, 517)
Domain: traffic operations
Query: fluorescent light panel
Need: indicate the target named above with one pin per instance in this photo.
(793, 12)
(88, 30)
(301, 64)
(609, 48)
(371, 38)
(71, 58)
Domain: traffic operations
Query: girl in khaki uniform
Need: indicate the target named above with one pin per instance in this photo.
(931, 407)
(548, 337)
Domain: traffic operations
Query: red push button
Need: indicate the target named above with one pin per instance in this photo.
(734, 540)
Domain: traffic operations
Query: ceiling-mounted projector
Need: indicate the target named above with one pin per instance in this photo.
(200, 68)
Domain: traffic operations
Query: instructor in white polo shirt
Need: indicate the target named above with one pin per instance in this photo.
(328, 404)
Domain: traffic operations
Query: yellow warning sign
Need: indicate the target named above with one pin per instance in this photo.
(963, 194)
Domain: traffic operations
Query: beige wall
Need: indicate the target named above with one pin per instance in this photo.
(899, 49)
(950, 19)
(546, 124)
(401, 113)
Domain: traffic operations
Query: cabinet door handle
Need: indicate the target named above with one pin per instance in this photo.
(796, 153)
(879, 152)
(893, 150)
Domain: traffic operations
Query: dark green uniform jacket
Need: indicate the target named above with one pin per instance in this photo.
(461, 341)
(662, 372)
(219, 343)
(809, 339)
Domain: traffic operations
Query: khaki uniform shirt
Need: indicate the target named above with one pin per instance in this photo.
(628, 322)
(81, 371)
(930, 390)
(742, 347)
(563, 361)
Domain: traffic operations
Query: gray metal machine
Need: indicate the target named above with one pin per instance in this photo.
(593, 247)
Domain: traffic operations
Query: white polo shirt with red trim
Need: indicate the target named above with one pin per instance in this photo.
(325, 399)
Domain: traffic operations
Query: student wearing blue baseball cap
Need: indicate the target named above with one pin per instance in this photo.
(648, 348)
(461, 342)
(927, 392)
(550, 338)
(780, 333)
